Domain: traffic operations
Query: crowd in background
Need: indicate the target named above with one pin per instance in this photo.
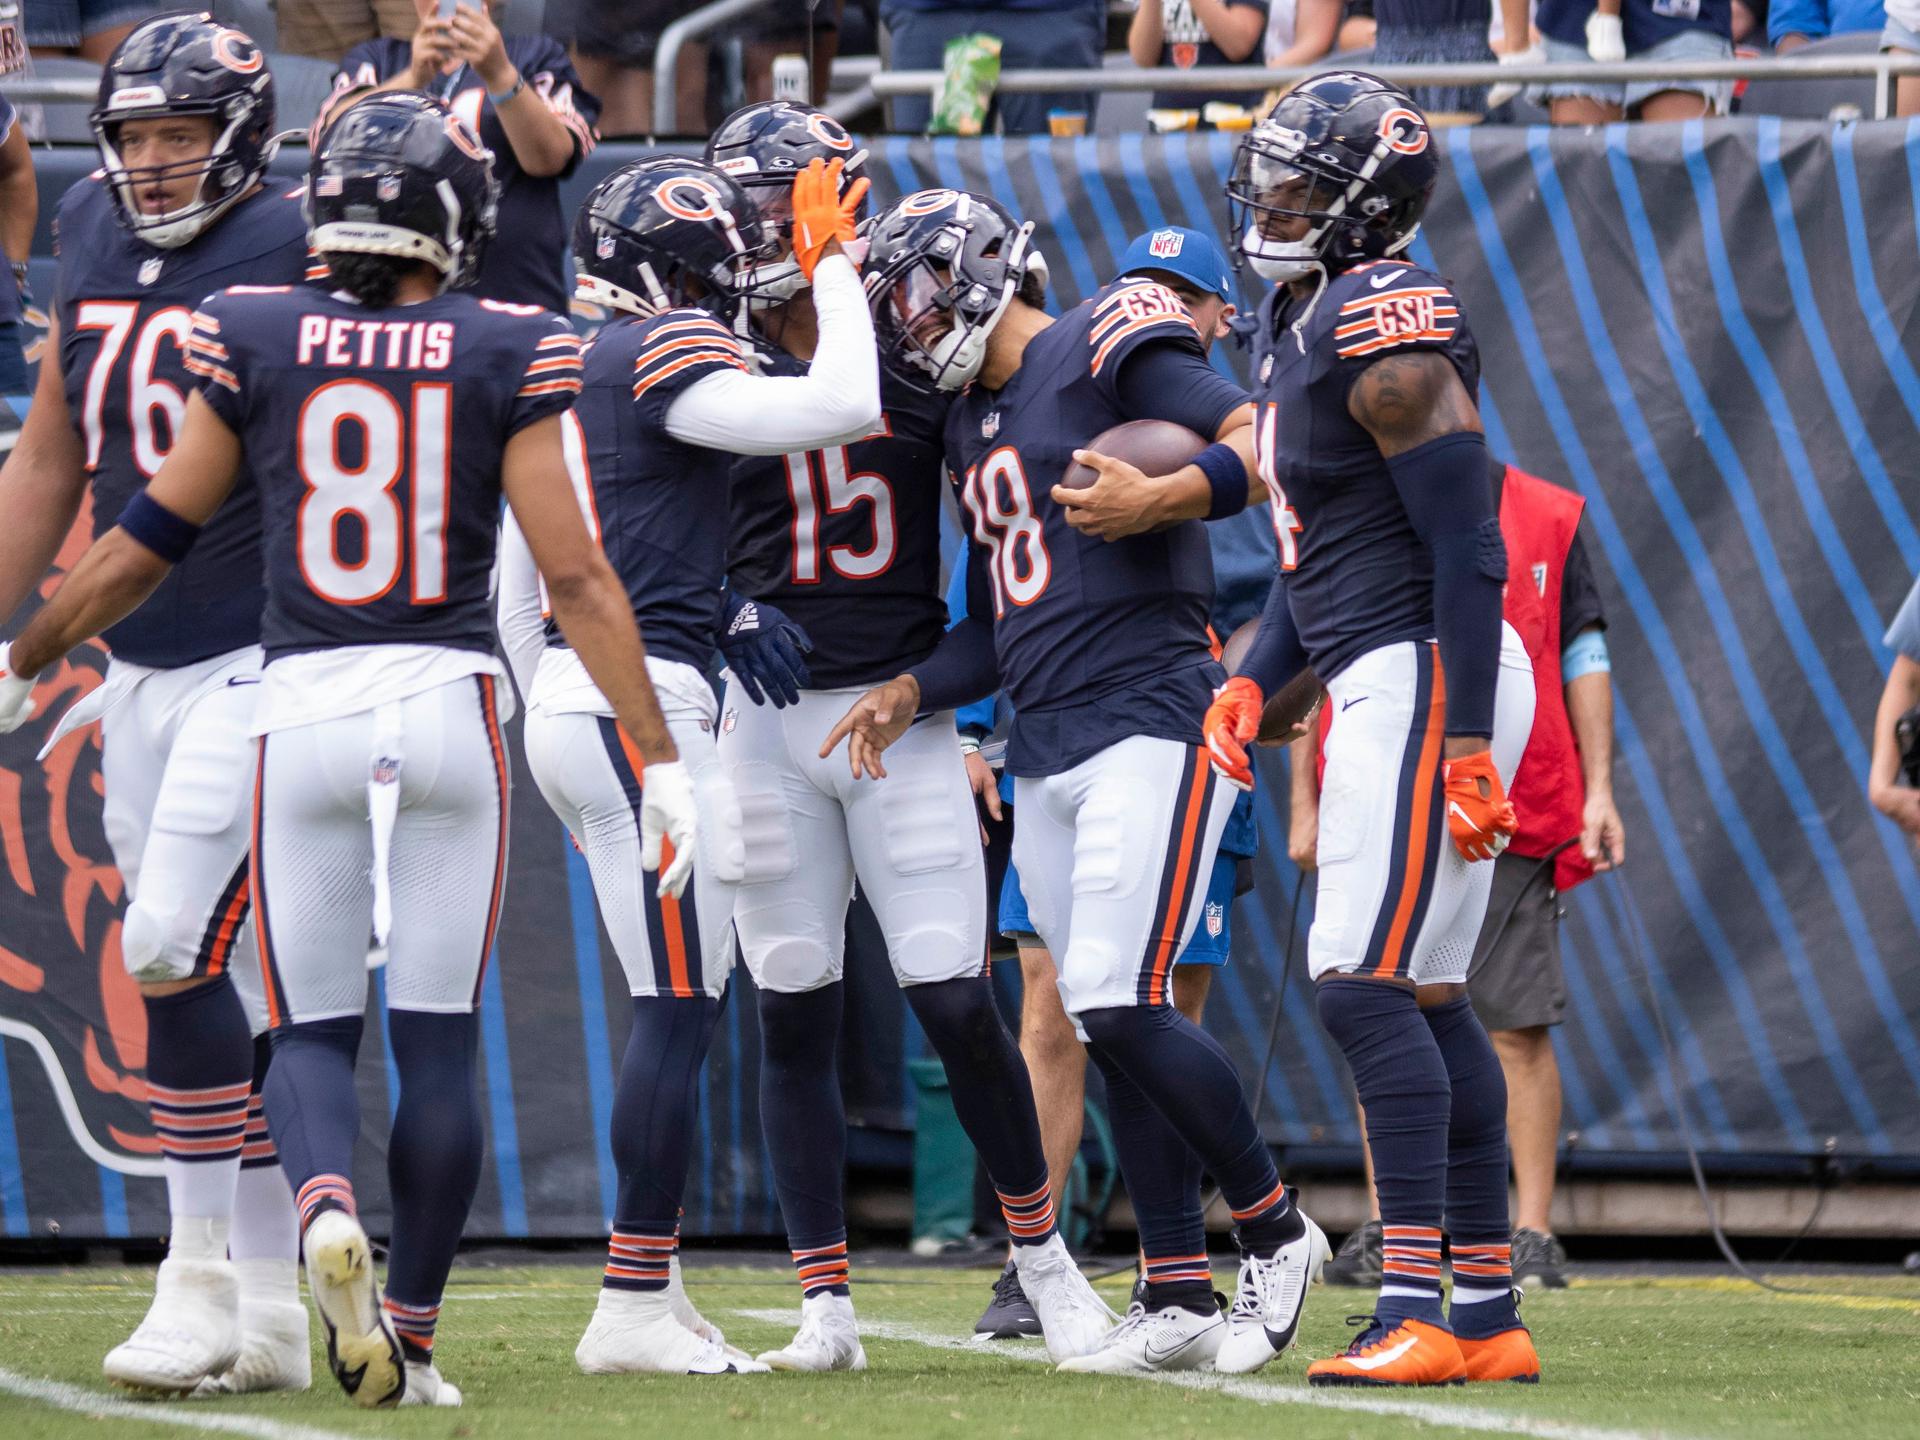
(611, 47)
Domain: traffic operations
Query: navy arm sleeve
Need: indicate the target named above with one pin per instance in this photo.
(1276, 655)
(1449, 499)
(1173, 381)
(964, 666)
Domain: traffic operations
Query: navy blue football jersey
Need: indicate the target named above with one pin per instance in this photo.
(125, 311)
(1097, 640)
(1358, 577)
(375, 437)
(846, 541)
(658, 505)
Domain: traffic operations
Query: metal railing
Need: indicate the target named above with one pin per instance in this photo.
(1881, 68)
(51, 92)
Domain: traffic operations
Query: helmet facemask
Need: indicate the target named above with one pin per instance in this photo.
(223, 177)
(1274, 179)
(934, 325)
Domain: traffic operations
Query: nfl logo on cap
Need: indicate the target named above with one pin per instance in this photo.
(388, 187)
(1165, 244)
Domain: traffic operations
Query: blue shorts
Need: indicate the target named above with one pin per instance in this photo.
(1212, 937)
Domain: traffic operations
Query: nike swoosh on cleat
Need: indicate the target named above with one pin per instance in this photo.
(1346, 705)
(1155, 1353)
(1384, 1357)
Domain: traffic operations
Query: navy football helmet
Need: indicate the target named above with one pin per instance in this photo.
(1349, 153)
(181, 65)
(763, 147)
(400, 174)
(667, 232)
(942, 268)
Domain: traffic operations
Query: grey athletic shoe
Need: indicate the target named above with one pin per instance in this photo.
(1357, 1262)
(1537, 1261)
(1009, 1316)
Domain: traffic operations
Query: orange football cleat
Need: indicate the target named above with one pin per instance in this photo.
(1411, 1353)
(1508, 1356)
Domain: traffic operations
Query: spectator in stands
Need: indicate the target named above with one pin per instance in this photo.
(1034, 35)
(783, 30)
(614, 43)
(1421, 32)
(1609, 31)
(1186, 34)
(1891, 785)
(19, 208)
(1749, 21)
(90, 29)
(1903, 34)
(1793, 23)
(521, 93)
(1356, 27)
(1563, 791)
(328, 29)
(1300, 32)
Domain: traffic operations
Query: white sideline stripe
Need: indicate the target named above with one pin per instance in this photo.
(92, 1403)
(1263, 1392)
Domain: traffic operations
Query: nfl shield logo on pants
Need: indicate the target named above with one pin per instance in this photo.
(1216, 918)
(1165, 244)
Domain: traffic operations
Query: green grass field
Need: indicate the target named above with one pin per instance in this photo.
(1684, 1356)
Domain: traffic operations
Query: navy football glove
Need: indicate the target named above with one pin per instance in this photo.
(765, 650)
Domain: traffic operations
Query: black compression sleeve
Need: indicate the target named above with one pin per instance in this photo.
(1276, 655)
(963, 667)
(1444, 486)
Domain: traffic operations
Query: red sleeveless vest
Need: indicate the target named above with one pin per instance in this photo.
(1538, 522)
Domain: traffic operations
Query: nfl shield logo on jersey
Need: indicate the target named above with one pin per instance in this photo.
(990, 426)
(1216, 918)
(1165, 244)
(1266, 369)
(150, 270)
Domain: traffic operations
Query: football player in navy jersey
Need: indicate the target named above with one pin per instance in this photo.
(1102, 649)
(843, 542)
(667, 245)
(1392, 566)
(383, 423)
(178, 209)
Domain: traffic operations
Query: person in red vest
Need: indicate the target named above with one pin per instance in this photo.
(1563, 791)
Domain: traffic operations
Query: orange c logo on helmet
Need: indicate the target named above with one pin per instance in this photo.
(928, 202)
(706, 204)
(829, 132)
(464, 140)
(1404, 130)
(236, 51)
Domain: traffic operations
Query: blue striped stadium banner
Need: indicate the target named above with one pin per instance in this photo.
(1704, 329)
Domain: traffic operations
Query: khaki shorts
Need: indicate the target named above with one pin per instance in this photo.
(328, 29)
(1515, 982)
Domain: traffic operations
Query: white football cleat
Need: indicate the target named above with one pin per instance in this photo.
(1073, 1318)
(426, 1387)
(828, 1338)
(274, 1353)
(1148, 1341)
(637, 1333)
(684, 1312)
(1267, 1300)
(191, 1331)
(363, 1349)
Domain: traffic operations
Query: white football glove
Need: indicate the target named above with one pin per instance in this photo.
(667, 813)
(1606, 41)
(16, 694)
(1510, 89)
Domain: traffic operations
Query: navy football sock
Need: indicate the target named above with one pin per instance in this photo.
(1190, 1080)
(653, 1118)
(1478, 1238)
(1402, 1084)
(433, 1163)
(992, 1096)
(804, 1121)
(1154, 1161)
(313, 1111)
(199, 1074)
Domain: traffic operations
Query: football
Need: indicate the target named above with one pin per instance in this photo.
(1295, 702)
(1154, 447)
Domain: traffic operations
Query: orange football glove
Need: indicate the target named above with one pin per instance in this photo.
(1478, 811)
(1232, 720)
(821, 214)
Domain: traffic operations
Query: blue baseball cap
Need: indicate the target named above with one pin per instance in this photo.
(1193, 255)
